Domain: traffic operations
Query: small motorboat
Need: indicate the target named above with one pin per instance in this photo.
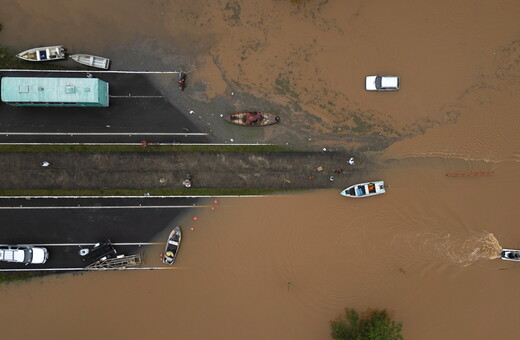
(91, 60)
(252, 118)
(510, 255)
(43, 53)
(364, 189)
(182, 81)
(172, 246)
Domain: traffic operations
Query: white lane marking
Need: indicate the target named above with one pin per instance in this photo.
(86, 269)
(138, 97)
(102, 133)
(118, 197)
(108, 207)
(85, 244)
(114, 144)
(92, 72)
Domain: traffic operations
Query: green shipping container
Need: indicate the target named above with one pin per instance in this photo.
(69, 92)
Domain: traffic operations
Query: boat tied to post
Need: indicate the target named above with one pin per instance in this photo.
(91, 60)
(47, 53)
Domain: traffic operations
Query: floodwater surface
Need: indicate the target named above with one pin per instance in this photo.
(282, 267)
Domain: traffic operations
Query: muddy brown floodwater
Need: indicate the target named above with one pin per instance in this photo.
(282, 267)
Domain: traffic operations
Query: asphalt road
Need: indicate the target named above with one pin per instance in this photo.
(50, 222)
(137, 112)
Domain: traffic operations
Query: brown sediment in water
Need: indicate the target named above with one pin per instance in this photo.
(283, 267)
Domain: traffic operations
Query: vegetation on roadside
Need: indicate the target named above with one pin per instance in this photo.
(140, 148)
(19, 276)
(372, 325)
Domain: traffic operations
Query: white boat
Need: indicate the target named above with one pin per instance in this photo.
(43, 53)
(172, 246)
(91, 60)
(364, 189)
(510, 255)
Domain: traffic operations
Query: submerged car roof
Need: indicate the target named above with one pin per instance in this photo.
(390, 82)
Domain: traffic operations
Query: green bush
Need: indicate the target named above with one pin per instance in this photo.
(374, 325)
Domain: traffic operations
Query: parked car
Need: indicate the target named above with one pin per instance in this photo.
(24, 254)
(382, 83)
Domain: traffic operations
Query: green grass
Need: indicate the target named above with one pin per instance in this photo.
(19, 276)
(149, 148)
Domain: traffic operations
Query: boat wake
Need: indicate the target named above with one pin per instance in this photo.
(466, 251)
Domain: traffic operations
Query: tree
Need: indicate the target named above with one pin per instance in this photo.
(374, 325)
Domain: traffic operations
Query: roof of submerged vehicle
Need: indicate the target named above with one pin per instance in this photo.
(390, 82)
(381, 83)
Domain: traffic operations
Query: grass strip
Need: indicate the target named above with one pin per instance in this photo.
(139, 148)
(6, 277)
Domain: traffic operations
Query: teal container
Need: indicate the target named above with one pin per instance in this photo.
(66, 92)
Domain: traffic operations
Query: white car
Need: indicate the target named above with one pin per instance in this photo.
(24, 254)
(382, 83)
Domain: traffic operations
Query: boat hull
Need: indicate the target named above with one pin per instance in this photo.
(241, 118)
(91, 60)
(366, 189)
(48, 53)
(172, 246)
(510, 255)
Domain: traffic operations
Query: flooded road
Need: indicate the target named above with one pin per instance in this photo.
(282, 267)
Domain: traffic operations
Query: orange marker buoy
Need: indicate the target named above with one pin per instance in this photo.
(192, 228)
(215, 201)
(195, 218)
(212, 208)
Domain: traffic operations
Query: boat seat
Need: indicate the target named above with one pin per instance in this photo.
(175, 243)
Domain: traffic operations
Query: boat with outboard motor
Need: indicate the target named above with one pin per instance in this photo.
(510, 255)
(364, 189)
(172, 246)
(47, 53)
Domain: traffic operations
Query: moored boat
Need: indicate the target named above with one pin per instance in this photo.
(252, 118)
(172, 246)
(91, 60)
(43, 53)
(364, 189)
(510, 255)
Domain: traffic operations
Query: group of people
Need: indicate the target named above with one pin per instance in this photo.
(340, 171)
(252, 118)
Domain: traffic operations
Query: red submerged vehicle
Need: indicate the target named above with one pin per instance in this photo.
(252, 118)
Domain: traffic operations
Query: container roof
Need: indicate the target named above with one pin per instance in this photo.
(51, 90)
